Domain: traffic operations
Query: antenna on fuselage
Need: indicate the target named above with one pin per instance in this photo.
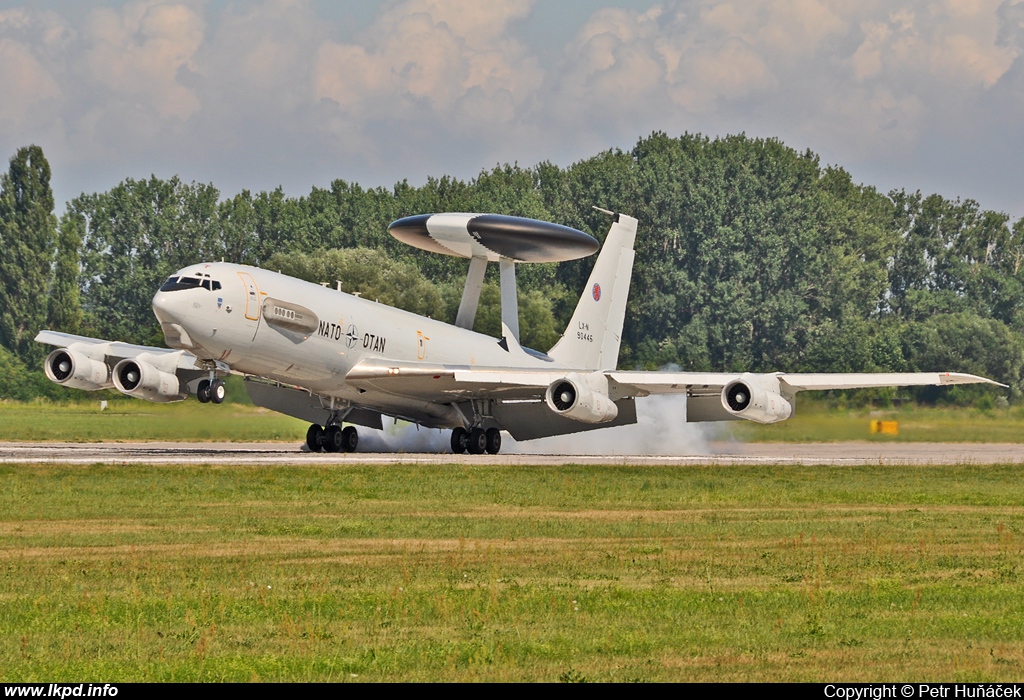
(485, 238)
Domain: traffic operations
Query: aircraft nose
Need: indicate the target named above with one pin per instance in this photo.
(166, 307)
(169, 309)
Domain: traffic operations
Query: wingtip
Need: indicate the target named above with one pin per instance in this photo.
(977, 379)
(986, 380)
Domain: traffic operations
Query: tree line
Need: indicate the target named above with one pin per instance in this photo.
(750, 256)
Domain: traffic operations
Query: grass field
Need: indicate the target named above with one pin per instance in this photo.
(133, 420)
(816, 422)
(511, 573)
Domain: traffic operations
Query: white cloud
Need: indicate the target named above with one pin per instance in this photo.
(138, 51)
(869, 85)
(281, 91)
(432, 53)
(262, 56)
(24, 82)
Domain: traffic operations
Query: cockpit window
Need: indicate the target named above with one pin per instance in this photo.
(173, 284)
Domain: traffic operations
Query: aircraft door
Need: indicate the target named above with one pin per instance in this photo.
(252, 297)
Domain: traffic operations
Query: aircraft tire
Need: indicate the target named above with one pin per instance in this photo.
(333, 438)
(217, 391)
(477, 441)
(460, 441)
(203, 391)
(493, 441)
(315, 438)
(349, 439)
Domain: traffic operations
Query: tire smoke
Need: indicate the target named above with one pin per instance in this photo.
(404, 437)
(661, 429)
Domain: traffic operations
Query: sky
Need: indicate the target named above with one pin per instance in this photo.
(923, 95)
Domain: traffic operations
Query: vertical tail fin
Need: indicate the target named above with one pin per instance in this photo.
(595, 332)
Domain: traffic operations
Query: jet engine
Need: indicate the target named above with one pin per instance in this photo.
(142, 380)
(748, 397)
(77, 371)
(582, 398)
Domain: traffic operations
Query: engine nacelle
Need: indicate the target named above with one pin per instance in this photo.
(142, 380)
(748, 397)
(77, 371)
(582, 398)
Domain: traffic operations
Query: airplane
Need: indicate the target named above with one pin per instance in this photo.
(337, 360)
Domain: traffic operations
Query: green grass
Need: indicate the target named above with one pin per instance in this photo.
(816, 422)
(134, 420)
(511, 573)
(235, 421)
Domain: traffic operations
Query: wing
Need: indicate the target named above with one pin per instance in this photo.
(441, 383)
(644, 383)
(818, 382)
(446, 383)
(711, 396)
(154, 374)
(113, 350)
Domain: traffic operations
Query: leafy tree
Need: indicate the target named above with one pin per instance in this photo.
(750, 255)
(538, 328)
(64, 308)
(368, 272)
(19, 382)
(27, 233)
(236, 219)
(968, 343)
(138, 233)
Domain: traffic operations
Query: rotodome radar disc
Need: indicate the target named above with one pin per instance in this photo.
(494, 236)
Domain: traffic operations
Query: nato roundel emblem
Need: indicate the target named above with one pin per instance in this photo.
(597, 292)
(351, 336)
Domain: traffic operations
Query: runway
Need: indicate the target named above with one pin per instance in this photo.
(719, 453)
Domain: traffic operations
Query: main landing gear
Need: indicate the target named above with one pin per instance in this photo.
(333, 438)
(208, 391)
(476, 441)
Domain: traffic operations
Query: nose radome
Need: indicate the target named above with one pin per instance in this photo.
(169, 307)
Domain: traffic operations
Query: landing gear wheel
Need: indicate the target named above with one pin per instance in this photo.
(333, 438)
(493, 440)
(477, 441)
(203, 391)
(460, 440)
(217, 391)
(349, 439)
(315, 438)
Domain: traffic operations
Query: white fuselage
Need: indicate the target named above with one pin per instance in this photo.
(236, 324)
